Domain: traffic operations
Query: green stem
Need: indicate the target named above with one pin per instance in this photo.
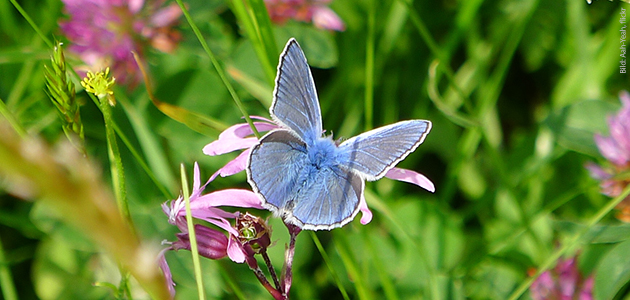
(369, 68)
(192, 236)
(6, 279)
(333, 273)
(33, 25)
(571, 244)
(263, 36)
(118, 180)
(433, 287)
(4, 111)
(218, 68)
(230, 282)
(385, 278)
(124, 290)
(435, 49)
(167, 194)
(148, 143)
(118, 174)
(342, 247)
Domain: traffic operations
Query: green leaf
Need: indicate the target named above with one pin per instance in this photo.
(257, 26)
(318, 45)
(613, 272)
(538, 44)
(575, 125)
(255, 87)
(600, 234)
(60, 272)
(611, 234)
(47, 220)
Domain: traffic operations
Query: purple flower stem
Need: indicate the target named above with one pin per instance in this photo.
(287, 272)
(272, 272)
(253, 265)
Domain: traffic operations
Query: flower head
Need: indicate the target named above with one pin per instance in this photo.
(316, 11)
(206, 208)
(62, 93)
(254, 233)
(564, 282)
(240, 137)
(100, 85)
(616, 149)
(211, 243)
(104, 33)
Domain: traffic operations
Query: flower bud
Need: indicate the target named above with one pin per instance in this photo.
(210, 243)
(254, 233)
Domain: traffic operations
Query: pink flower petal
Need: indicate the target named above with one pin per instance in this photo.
(242, 130)
(229, 197)
(166, 16)
(619, 132)
(167, 272)
(610, 149)
(236, 165)
(596, 171)
(135, 5)
(196, 178)
(222, 146)
(542, 287)
(236, 138)
(411, 177)
(211, 243)
(234, 251)
(223, 224)
(326, 18)
(587, 289)
(624, 96)
(205, 212)
(366, 213)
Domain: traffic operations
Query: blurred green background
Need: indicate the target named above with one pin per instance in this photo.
(515, 90)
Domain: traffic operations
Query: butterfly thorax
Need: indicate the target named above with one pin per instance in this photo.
(322, 153)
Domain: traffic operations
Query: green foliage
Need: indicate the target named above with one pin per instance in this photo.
(516, 90)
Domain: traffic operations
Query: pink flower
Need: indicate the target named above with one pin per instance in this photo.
(564, 282)
(239, 137)
(103, 33)
(316, 11)
(616, 149)
(205, 207)
(211, 243)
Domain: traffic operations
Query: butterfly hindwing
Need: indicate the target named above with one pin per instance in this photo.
(295, 104)
(329, 200)
(293, 187)
(308, 180)
(373, 153)
(275, 166)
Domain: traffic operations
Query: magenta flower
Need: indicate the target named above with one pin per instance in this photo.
(616, 149)
(564, 282)
(103, 33)
(205, 207)
(315, 11)
(211, 243)
(240, 137)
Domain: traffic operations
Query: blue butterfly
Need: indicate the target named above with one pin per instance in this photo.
(306, 178)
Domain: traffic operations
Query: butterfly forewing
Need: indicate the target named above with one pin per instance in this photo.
(373, 153)
(295, 103)
(308, 180)
(275, 167)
